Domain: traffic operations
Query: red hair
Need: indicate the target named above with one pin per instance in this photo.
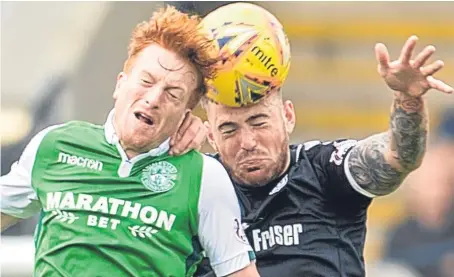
(181, 34)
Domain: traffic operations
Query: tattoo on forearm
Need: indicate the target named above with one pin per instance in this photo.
(408, 131)
(381, 162)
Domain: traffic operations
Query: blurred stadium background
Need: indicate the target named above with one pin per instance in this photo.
(59, 61)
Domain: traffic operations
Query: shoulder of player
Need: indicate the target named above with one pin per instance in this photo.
(213, 155)
(28, 156)
(212, 168)
(73, 130)
(314, 148)
(215, 179)
(216, 190)
(307, 150)
(36, 141)
(76, 126)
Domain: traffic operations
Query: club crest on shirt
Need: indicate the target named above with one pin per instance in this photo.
(159, 176)
(341, 148)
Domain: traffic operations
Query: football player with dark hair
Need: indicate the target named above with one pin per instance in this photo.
(304, 207)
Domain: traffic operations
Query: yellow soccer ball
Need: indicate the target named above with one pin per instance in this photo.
(254, 54)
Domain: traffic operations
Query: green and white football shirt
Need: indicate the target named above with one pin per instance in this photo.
(105, 215)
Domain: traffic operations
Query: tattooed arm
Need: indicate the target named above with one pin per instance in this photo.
(381, 162)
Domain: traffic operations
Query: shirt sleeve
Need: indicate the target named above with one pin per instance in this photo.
(220, 230)
(18, 198)
(330, 159)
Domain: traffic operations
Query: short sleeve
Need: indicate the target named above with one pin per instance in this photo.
(330, 159)
(18, 198)
(220, 229)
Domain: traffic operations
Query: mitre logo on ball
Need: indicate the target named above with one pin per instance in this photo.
(254, 54)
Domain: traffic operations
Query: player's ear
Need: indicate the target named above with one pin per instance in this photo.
(289, 115)
(121, 79)
(210, 136)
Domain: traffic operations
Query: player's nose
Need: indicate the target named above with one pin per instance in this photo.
(154, 97)
(248, 141)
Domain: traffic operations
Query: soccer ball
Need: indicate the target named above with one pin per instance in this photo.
(254, 54)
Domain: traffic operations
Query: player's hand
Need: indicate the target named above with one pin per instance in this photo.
(412, 77)
(191, 135)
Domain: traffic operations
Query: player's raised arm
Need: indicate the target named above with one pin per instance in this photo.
(379, 163)
(220, 230)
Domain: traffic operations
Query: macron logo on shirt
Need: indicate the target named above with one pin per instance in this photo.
(79, 161)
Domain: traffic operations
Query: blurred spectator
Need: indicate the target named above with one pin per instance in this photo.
(426, 240)
(391, 270)
(446, 128)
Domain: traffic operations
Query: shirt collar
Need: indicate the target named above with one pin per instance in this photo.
(112, 138)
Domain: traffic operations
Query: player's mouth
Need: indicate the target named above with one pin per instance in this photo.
(252, 165)
(144, 118)
(251, 162)
(252, 169)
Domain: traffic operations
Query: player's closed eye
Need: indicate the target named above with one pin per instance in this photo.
(146, 82)
(174, 93)
(228, 132)
(259, 124)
